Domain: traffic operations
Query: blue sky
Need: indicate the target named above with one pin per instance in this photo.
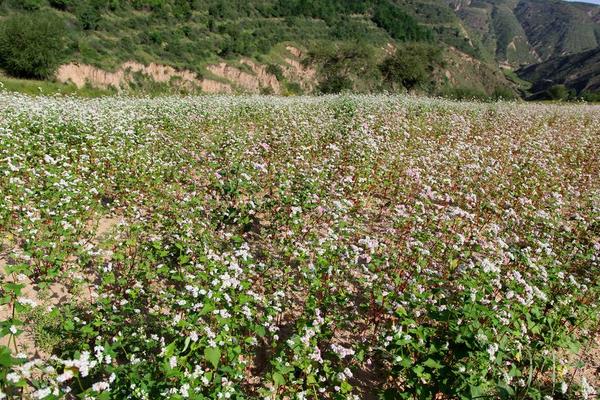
(588, 1)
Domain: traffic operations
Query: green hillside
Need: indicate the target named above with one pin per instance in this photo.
(346, 44)
(451, 47)
(520, 32)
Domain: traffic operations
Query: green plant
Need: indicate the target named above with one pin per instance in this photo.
(411, 66)
(333, 247)
(31, 45)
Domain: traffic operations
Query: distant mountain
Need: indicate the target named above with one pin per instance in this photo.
(586, 1)
(521, 32)
(578, 73)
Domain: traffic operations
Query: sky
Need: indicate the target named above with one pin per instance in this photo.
(588, 1)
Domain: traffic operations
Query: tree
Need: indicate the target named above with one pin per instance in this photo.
(398, 24)
(31, 45)
(411, 66)
(340, 64)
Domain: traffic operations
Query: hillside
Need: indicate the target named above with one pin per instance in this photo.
(520, 32)
(451, 47)
(578, 73)
(262, 46)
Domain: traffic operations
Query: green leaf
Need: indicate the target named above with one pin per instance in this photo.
(186, 344)
(278, 379)
(477, 391)
(6, 359)
(431, 363)
(69, 325)
(212, 355)
(170, 350)
(346, 387)
(507, 390)
(260, 330)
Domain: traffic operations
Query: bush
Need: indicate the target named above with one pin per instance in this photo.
(398, 24)
(464, 93)
(31, 45)
(560, 92)
(29, 5)
(62, 5)
(590, 96)
(89, 16)
(342, 64)
(503, 93)
(411, 66)
(335, 84)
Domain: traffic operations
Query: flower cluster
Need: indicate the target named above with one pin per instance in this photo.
(297, 248)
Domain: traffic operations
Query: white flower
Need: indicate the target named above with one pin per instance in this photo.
(173, 362)
(83, 364)
(65, 376)
(492, 349)
(342, 351)
(100, 386)
(42, 393)
(184, 390)
(489, 266)
(587, 391)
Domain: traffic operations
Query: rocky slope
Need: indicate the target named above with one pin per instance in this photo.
(520, 32)
(578, 72)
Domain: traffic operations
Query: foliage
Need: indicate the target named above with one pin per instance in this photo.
(398, 24)
(411, 66)
(340, 64)
(245, 247)
(31, 45)
(37, 88)
(560, 92)
(590, 96)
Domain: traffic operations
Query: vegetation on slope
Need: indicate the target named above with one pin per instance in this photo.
(350, 43)
(520, 32)
(568, 77)
(192, 34)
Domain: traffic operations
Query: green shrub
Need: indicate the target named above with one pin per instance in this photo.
(464, 93)
(62, 5)
(89, 15)
(29, 5)
(411, 66)
(276, 71)
(293, 88)
(398, 24)
(590, 96)
(31, 44)
(503, 93)
(560, 92)
(335, 84)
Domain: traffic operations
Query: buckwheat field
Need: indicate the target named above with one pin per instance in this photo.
(298, 248)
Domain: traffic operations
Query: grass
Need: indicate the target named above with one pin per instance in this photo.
(48, 88)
